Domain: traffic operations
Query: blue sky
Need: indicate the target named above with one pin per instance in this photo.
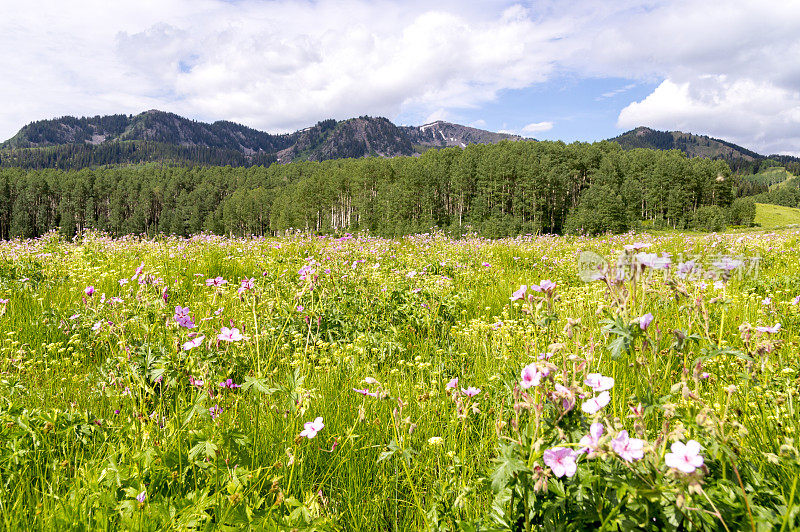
(548, 69)
(578, 109)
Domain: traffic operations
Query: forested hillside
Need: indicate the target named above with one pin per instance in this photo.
(502, 189)
(156, 136)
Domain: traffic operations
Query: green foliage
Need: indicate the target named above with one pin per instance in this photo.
(709, 218)
(499, 190)
(742, 212)
(600, 210)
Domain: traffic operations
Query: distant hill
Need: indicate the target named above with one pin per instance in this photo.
(70, 142)
(690, 144)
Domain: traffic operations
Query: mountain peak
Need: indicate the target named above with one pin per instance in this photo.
(361, 136)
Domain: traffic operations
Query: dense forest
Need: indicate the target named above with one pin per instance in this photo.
(75, 156)
(502, 189)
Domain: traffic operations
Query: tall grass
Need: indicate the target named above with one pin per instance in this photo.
(100, 403)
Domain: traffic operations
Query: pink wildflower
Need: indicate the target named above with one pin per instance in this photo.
(595, 404)
(229, 335)
(629, 449)
(247, 284)
(561, 460)
(684, 457)
(519, 294)
(598, 382)
(531, 376)
(547, 286)
(471, 391)
(191, 344)
(592, 440)
(644, 321)
(216, 281)
(311, 428)
(229, 384)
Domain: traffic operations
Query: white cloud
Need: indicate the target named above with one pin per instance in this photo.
(754, 113)
(537, 127)
(727, 69)
(724, 69)
(275, 66)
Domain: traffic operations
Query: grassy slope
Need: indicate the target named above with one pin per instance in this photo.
(772, 216)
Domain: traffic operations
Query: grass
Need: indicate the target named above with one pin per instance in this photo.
(106, 422)
(774, 216)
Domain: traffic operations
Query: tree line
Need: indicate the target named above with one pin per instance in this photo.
(76, 156)
(497, 190)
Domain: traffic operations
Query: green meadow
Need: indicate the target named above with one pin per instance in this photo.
(628, 382)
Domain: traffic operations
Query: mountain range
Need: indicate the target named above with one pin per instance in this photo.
(70, 142)
(161, 135)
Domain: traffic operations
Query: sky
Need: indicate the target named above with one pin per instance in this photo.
(570, 70)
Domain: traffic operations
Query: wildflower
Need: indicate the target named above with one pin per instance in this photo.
(727, 264)
(772, 330)
(546, 286)
(486, 265)
(196, 382)
(684, 457)
(229, 384)
(561, 460)
(452, 384)
(89, 290)
(595, 404)
(142, 497)
(519, 294)
(592, 440)
(3, 301)
(598, 382)
(229, 335)
(138, 271)
(636, 246)
(435, 440)
(685, 268)
(645, 321)
(796, 300)
(216, 281)
(300, 308)
(365, 391)
(183, 318)
(123, 282)
(247, 284)
(629, 449)
(531, 376)
(215, 411)
(566, 396)
(766, 301)
(97, 325)
(191, 344)
(311, 428)
(471, 391)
